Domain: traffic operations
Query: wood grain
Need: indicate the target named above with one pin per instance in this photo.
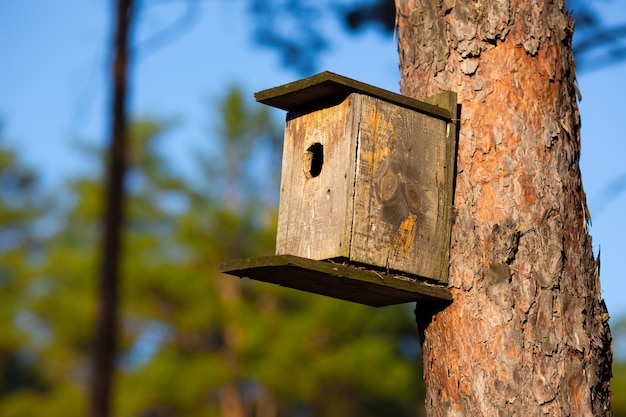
(335, 280)
(315, 213)
(399, 190)
(384, 191)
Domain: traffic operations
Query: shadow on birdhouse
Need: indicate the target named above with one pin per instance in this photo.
(365, 195)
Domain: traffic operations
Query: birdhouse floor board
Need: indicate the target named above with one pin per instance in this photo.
(336, 280)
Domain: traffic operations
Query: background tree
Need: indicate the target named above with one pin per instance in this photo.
(105, 337)
(194, 341)
(178, 312)
(596, 45)
(527, 332)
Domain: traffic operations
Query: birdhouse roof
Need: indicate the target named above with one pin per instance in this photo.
(327, 87)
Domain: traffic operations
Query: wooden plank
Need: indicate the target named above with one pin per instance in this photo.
(337, 280)
(400, 190)
(447, 100)
(315, 211)
(327, 86)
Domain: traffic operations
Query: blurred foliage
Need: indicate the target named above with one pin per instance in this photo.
(193, 341)
(19, 246)
(618, 383)
(618, 387)
(294, 29)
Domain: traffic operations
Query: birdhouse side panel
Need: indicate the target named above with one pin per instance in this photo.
(399, 190)
(317, 183)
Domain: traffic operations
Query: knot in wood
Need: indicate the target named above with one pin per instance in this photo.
(388, 185)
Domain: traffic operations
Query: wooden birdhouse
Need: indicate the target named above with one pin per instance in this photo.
(365, 195)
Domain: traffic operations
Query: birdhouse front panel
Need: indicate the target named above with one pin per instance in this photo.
(317, 182)
(363, 181)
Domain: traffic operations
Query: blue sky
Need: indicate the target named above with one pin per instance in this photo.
(53, 92)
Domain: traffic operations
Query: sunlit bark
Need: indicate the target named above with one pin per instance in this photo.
(527, 333)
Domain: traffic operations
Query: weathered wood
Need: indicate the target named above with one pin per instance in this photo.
(400, 190)
(315, 213)
(382, 193)
(336, 280)
(447, 100)
(318, 90)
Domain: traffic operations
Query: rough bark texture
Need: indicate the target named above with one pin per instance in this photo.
(527, 333)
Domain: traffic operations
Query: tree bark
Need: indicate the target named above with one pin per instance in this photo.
(105, 339)
(527, 332)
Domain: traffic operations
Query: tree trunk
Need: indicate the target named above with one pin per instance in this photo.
(527, 332)
(105, 340)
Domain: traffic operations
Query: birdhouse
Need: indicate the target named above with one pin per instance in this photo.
(365, 194)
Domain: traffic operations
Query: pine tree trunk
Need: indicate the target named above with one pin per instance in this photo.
(527, 333)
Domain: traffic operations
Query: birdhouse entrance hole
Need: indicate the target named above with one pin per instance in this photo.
(314, 159)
